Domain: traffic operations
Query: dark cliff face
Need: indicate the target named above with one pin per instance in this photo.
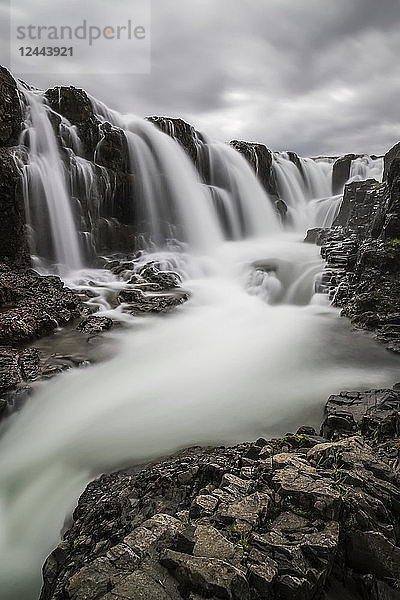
(10, 110)
(363, 256)
(13, 243)
(388, 159)
(341, 172)
(260, 159)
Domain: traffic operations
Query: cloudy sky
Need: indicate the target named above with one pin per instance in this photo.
(314, 76)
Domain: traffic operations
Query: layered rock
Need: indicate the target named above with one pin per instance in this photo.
(277, 519)
(184, 133)
(362, 251)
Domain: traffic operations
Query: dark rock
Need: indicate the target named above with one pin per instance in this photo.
(40, 305)
(185, 134)
(260, 159)
(205, 525)
(145, 302)
(371, 552)
(112, 150)
(74, 104)
(341, 172)
(316, 236)
(388, 159)
(10, 110)
(94, 325)
(13, 242)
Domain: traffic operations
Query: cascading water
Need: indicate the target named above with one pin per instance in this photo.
(365, 167)
(254, 352)
(307, 190)
(44, 184)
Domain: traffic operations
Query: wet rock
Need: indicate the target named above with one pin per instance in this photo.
(139, 302)
(165, 280)
(260, 159)
(9, 369)
(40, 305)
(388, 159)
(112, 150)
(316, 236)
(211, 523)
(341, 172)
(94, 325)
(13, 243)
(10, 110)
(184, 133)
(74, 104)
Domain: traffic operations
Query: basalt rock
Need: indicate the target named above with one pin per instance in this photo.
(184, 133)
(362, 251)
(74, 104)
(260, 159)
(341, 172)
(34, 305)
(388, 159)
(10, 110)
(278, 519)
(13, 242)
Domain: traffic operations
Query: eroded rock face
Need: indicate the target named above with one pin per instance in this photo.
(74, 104)
(341, 172)
(10, 110)
(184, 133)
(388, 159)
(260, 159)
(362, 251)
(272, 519)
(13, 242)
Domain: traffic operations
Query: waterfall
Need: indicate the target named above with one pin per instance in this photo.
(365, 167)
(306, 188)
(250, 211)
(253, 353)
(44, 184)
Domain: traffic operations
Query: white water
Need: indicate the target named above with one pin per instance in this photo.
(305, 191)
(365, 167)
(44, 179)
(254, 352)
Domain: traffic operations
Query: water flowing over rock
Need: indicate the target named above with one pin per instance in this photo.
(261, 159)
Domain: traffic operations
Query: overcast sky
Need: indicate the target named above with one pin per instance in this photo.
(314, 76)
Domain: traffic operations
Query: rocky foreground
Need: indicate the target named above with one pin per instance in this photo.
(305, 516)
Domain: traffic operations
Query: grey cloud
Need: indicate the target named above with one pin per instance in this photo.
(316, 76)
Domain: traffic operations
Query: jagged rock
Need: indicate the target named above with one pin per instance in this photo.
(139, 302)
(388, 159)
(341, 172)
(40, 305)
(372, 552)
(10, 110)
(205, 525)
(260, 159)
(165, 280)
(74, 104)
(94, 325)
(317, 236)
(184, 133)
(13, 243)
(112, 150)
